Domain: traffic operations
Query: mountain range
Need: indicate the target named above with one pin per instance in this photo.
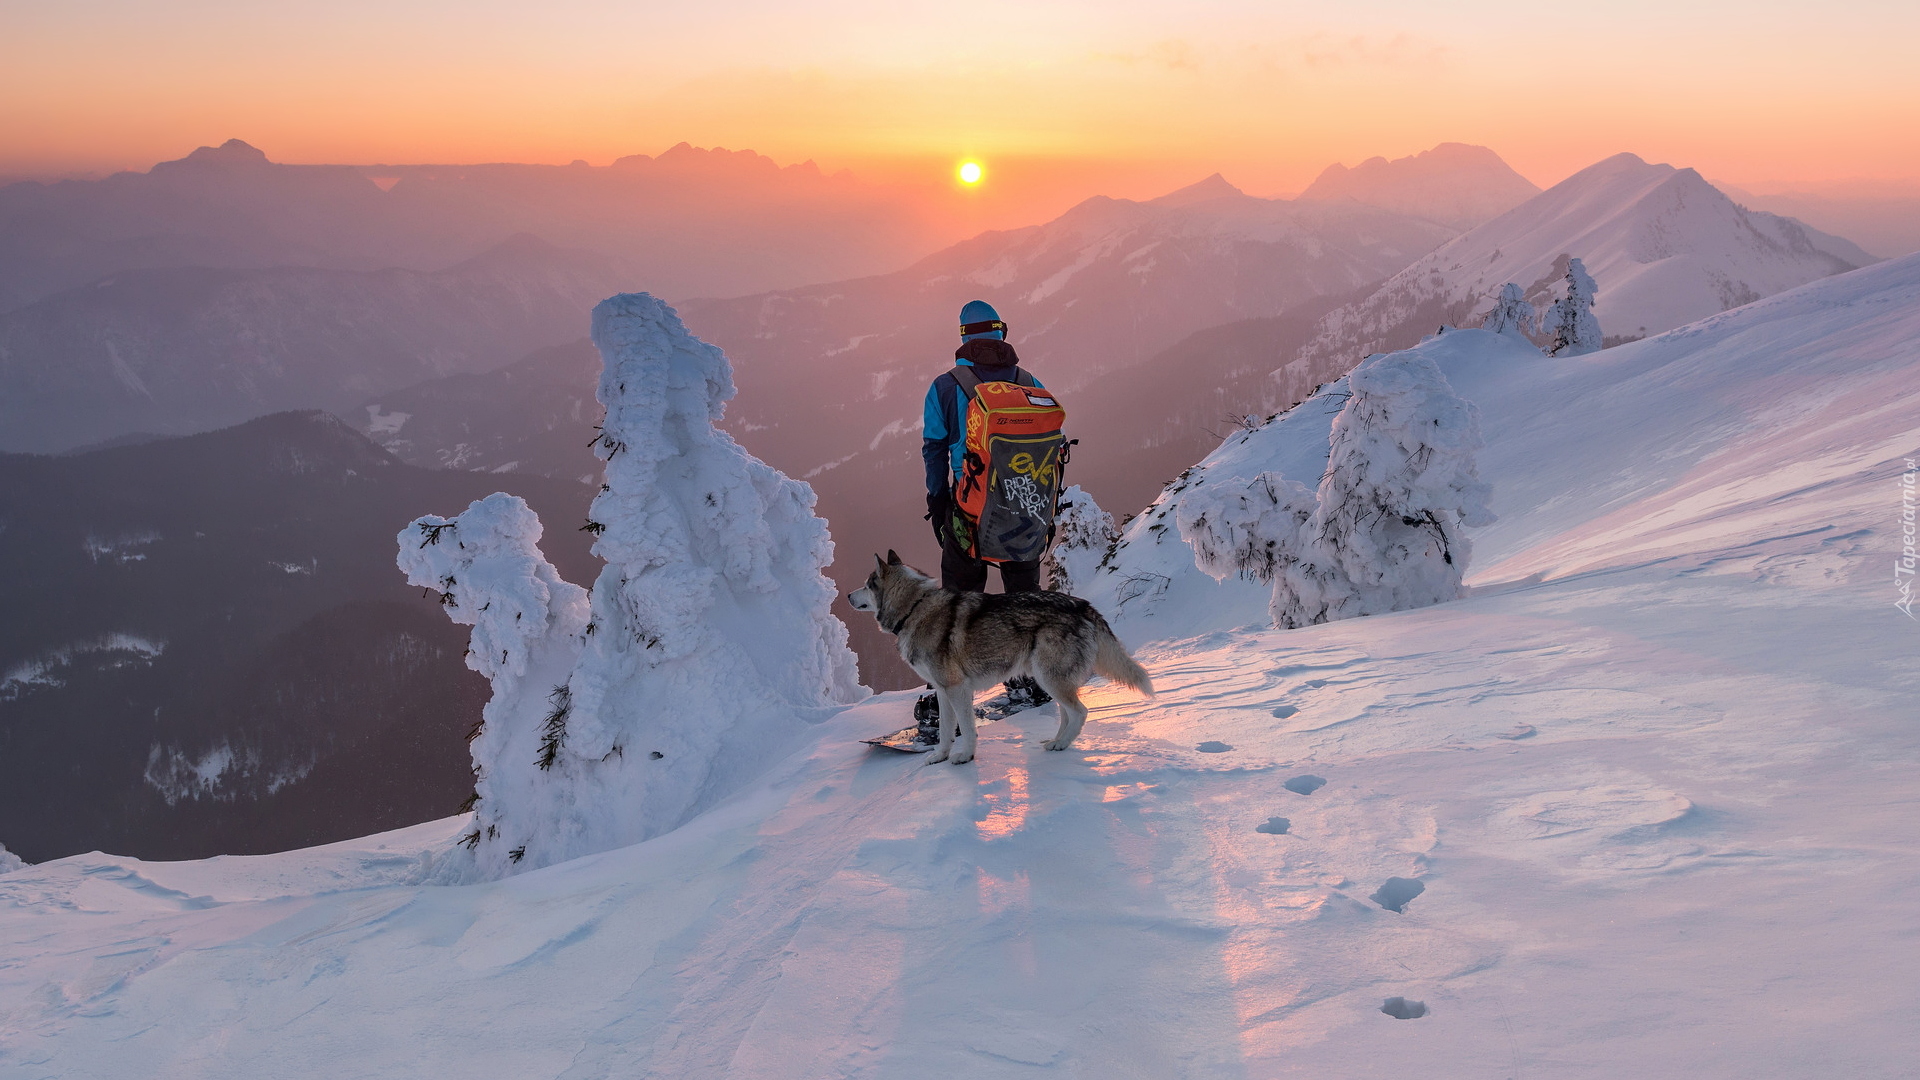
(208, 634)
(184, 349)
(1665, 247)
(688, 222)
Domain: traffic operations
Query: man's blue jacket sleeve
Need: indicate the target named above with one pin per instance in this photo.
(937, 437)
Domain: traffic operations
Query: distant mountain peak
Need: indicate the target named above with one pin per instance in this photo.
(230, 153)
(1456, 184)
(1213, 187)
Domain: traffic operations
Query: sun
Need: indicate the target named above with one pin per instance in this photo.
(970, 172)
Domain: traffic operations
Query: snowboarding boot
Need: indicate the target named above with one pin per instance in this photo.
(926, 717)
(1019, 695)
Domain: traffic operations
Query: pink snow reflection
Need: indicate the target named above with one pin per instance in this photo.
(1006, 804)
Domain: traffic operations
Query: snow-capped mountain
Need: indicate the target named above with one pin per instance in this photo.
(207, 635)
(1455, 184)
(186, 349)
(1102, 288)
(1665, 246)
(1537, 831)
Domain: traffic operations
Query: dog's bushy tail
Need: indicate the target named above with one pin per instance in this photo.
(1110, 659)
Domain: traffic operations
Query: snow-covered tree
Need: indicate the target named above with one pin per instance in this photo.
(9, 862)
(1082, 534)
(1511, 314)
(703, 648)
(1570, 325)
(1383, 531)
(1400, 483)
(528, 629)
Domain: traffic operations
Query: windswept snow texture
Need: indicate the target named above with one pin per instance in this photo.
(708, 643)
(1701, 864)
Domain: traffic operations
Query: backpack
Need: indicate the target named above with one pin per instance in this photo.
(1010, 473)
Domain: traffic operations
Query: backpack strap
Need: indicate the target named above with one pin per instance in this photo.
(968, 379)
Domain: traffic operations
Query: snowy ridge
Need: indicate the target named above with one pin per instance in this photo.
(1665, 246)
(705, 643)
(1669, 721)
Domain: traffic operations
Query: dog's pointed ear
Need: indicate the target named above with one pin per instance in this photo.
(879, 562)
(893, 557)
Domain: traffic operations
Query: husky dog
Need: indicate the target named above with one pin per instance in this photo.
(961, 641)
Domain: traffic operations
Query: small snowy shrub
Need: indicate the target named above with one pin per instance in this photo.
(1383, 531)
(1511, 314)
(703, 648)
(1571, 328)
(1082, 534)
(1255, 529)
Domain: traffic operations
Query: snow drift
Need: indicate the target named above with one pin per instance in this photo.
(706, 642)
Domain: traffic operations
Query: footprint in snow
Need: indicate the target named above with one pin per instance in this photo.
(1278, 826)
(1401, 1009)
(1305, 784)
(1521, 731)
(1211, 747)
(1284, 711)
(1397, 893)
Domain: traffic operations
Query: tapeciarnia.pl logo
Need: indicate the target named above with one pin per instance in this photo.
(1903, 567)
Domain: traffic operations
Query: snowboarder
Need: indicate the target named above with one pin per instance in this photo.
(985, 349)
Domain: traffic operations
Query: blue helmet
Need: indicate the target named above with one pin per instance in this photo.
(979, 320)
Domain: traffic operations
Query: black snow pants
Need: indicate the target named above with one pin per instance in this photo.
(961, 572)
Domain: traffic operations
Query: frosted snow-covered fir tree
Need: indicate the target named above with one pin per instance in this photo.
(1570, 325)
(1083, 533)
(1400, 484)
(703, 649)
(1383, 531)
(9, 862)
(1511, 314)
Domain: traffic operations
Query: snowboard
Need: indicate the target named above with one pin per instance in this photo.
(907, 740)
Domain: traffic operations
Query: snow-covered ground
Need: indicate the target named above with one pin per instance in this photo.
(1657, 775)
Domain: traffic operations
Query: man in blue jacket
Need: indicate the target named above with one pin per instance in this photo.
(983, 347)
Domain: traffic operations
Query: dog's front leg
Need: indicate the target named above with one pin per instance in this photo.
(949, 727)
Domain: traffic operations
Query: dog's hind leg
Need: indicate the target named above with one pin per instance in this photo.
(1073, 712)
(962, 697)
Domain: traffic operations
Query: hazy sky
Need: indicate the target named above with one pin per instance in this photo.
(1122, 95)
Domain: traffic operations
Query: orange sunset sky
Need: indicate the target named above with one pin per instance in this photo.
(1126, 97)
